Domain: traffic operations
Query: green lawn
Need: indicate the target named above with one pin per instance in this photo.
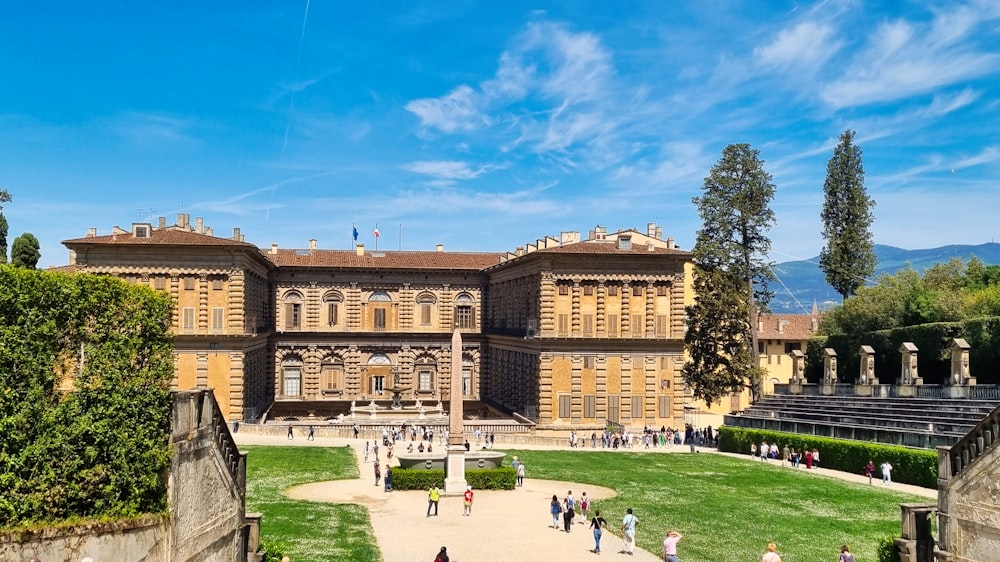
(727, 509)
(308, 531)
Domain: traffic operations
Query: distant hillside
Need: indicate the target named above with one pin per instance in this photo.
(807, 284)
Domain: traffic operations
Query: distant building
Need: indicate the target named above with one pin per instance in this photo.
(564, 331)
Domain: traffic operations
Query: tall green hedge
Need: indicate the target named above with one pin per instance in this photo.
(85, 370)
(421, 479)
(910, 466)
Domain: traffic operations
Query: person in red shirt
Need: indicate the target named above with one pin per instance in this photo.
(467, 496)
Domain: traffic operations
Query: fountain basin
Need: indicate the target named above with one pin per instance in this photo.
(474, 460)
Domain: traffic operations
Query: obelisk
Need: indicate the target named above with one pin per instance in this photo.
(454, 480)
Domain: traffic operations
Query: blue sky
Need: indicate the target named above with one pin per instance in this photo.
(486, 125)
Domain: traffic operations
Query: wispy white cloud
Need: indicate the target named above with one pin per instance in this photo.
(806, 44)
(459, 110)
(449, 170)
(143, 128)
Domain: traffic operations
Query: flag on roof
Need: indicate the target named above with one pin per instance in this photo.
(355, 229)
(376, 233)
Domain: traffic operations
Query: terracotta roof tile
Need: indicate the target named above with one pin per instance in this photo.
(161, 237)
(611, 247)
(388, 259)
(794, 327)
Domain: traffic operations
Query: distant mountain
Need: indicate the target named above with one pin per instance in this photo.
(803, 281)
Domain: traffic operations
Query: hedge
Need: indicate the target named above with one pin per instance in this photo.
(910, 466)
(421, 479)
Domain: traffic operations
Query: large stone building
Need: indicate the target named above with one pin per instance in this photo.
(564, 331)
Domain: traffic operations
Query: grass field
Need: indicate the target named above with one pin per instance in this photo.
(727, 509)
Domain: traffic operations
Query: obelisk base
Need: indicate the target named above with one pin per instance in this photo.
(454, 479)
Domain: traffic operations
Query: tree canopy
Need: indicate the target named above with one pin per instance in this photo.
(730, 277)
(26, 251)
(848, 258)
(3, 239)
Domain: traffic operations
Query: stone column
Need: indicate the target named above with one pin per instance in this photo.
(960, 379)
(798, 372)
(866, 374)
(454, 480)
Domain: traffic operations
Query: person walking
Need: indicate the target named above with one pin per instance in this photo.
(771, 555)
(886, 474)
(388, 477)
(312, 434)
(555, 509)
(467, 501)
(290, 434)
(378, 472)
(869, 470)
(568, 513)
(670, 546)
(845, 554)
(629, 523)
(433, 496)
(442, 555)
(598, 524)
(366, 451)
(520, 474)
(584, 506)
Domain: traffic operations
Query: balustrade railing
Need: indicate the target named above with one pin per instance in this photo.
(968, 448)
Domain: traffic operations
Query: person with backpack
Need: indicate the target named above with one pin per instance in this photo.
(598, 524)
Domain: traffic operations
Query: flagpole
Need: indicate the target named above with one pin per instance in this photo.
(400, 237)
(376, 236)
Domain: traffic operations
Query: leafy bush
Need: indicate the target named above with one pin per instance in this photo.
(273, 551)
(887, 551)
(85, 370)
(421, 479)
(910, 466)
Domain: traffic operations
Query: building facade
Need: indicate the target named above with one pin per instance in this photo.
(564, 331)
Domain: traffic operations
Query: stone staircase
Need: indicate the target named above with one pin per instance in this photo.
(911, 422)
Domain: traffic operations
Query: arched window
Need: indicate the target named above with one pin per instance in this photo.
(291, 376)
(425, 303)
(333, 300)
(379, 312)
(379, 364)
(464, 316)
(293, 310)
(380, 296)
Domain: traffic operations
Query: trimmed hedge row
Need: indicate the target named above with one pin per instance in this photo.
(910, 466)
(420, 479)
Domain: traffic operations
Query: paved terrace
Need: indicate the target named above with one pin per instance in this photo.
(505, 525)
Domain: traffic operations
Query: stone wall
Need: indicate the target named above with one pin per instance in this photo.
(206, 490)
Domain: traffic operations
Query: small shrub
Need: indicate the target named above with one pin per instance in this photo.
(887, 551)
(420, 479)
(492, 479)
(273, 551)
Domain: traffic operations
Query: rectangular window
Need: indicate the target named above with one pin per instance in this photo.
(614, 407)
(612, 290)
(636, 407)
(463, 317)
(379, 317)
(293, 316)
(293, 381)
(187, 318)
(665, 363)
(588, 324)
(333, 311)
(130, 278)
(218, 318)
(331, 377)
(588, 361)
(188, 282)
(425, 315)
(588, 290)
(590, 406)
(467, 381)
(563, 289)
(426, 380)
(761, 347)
(664, 406)
(217, 284)
(563, 324)
(661, 290)
(613, 325)
(565, 406)
(378, 384)
(160, 282)
(793, 346)
(636, 290)
(638, 328)
(661, 325)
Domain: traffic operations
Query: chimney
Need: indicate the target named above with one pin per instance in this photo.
(209, 231)
(118, 230)
(781, 326)
(161, 222)
(361, 249)
(236, 234)
(659, 233)
(274, 249)
(199, 225)
(814, 324)
(670, 243)
(440, 247)
(651, 229)
(760, 325)
(519, 251)
(312, 244)
(569, 237)
(649, 246)
(92, 232)
(72, 257)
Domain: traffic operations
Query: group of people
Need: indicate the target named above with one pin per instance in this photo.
(886, 469)
(650, 437)
(788, 455)
(772, 554)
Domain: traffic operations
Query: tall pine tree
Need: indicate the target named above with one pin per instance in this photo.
(3, 238)
(730, 277)
(848, 258)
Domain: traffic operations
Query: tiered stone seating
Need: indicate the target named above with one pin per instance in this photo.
(913, 422)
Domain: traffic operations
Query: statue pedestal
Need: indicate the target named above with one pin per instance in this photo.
(828, 389)
(454, 471)
(957, 391)
(908, 390)
(795, 388)
(862, 390)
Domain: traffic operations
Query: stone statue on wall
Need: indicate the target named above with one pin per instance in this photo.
(830, 366)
